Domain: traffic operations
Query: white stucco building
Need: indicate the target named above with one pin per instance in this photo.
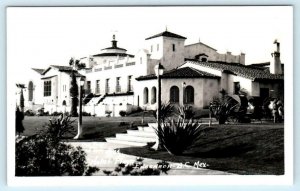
(194, 74)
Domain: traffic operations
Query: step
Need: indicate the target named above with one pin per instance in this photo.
(141, 133)
(133, 138)
(123, 142)
(152, 125)
(146, 129)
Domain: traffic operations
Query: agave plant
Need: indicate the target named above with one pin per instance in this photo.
(60, 126)
(222, 110)
(186, 112)
(166, 111)
(178, 136)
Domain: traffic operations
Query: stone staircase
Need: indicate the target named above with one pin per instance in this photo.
(139, 137)
(142, 136)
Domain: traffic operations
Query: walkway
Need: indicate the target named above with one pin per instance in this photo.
(105, 156)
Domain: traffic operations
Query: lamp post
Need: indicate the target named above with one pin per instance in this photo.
(159, 70)
(183, 96)
(79, 131)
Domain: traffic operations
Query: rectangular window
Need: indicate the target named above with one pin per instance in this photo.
(118, 86)
(129, 88)
(157, 47)
(141, 60)
(264, 93)
(151, 48)
(173, 47)
(237, 88)
(107, 89)
(97, 86)
(88, 87)
(47, 88)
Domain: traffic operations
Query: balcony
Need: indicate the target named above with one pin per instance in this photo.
(130, 63)
(119, 66)
(118, 89)
(107, 67)
(107, 89)
(129, 88)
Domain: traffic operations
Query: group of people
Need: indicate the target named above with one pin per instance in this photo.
(276, 107)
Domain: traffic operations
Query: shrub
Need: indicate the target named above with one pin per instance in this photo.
(60, 127)
(122, 113)
(224, 108)
(186, 112)
(55, 113)
(166, 111)
(86, 113)
(176, 137)
(44, 155)
(39, 155)
(29, 112)
(40, 112)
(108, 113)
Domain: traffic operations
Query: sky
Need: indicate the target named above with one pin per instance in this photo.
(42, 36)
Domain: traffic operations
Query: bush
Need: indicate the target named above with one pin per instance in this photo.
(166, 111)
(55, 113)
(108, 113)
(39, 155)
(44, 155)
(60, 127)
(86, 113)
(122, 113)
(224, 108)
(186, 112)
(29, 112)
(176, 137)
(40, 112)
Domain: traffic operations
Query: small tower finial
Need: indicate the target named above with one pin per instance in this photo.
(114, 37)
(166, 27)
(199, 39)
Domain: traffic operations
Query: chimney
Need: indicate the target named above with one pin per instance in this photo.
(275, 65)
(114, 42)
(242, 58)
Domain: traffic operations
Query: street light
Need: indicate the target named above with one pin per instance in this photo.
(159, 70)
(81, 83)
(183, 88)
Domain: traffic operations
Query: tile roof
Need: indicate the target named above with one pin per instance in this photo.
(166, 34)
(113, 54)
(62, 68)
(109, 48)
(186, 72)
(250, 72)
(40, 71)
(66, 69)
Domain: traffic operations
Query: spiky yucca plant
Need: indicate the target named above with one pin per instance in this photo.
(166, 111)
(224, 108)
(60, 126)
(178, 136)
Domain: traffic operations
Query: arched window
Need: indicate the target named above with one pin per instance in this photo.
(153, 95)
(30, 91)
(146, 92)
(189, 94)
(174, 94)
(64, 103)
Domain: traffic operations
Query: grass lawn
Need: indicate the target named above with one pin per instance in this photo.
(94, 128)
(250, 149)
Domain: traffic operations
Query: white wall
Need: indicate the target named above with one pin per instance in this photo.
(190, 51)
(204, 90)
